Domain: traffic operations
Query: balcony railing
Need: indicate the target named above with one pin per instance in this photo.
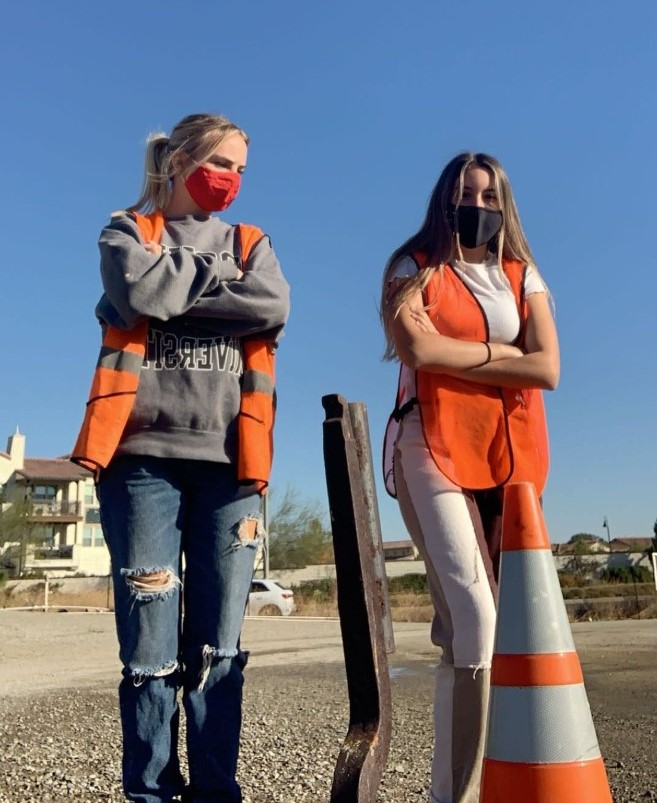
(55, 509)
(54, 553)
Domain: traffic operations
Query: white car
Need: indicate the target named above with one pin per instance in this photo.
(269, 598)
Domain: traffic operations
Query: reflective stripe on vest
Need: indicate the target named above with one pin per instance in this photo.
(115, 383)
(255, 423)
(479, 436)
(120, 360)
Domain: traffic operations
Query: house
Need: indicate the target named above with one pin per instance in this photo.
(400, 550)
(50, 514)
(631, 543)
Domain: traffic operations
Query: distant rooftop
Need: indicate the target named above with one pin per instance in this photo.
(406, 544)
(56, 468)
(631, 543)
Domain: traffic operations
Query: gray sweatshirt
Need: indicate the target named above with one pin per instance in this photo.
(198, 311)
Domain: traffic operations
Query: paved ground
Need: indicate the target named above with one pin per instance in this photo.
(59, 737)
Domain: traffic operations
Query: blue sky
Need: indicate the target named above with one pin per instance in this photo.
(353, 109)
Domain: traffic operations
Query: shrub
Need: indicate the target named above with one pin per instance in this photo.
(408, 584)
(324, 590)
(626, 574)
(569, 580)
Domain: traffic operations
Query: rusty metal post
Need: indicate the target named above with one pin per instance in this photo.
(363, 601)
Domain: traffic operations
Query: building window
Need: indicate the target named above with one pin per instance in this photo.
(44, 535)
(90, 495)
(92, 536)
(92, 516)
(44, 493)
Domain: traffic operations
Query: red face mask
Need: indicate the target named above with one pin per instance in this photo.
(213, 190)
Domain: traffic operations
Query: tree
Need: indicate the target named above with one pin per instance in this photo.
(17, 532)
(298, 535)
(584, 539)
(648, 552)
(653, 545)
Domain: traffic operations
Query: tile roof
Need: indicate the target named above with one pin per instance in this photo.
(407, 544)
(52, 469)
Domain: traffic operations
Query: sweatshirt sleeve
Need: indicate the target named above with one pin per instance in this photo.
(256, 303)
(140, 285)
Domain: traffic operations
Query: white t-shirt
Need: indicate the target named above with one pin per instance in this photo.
(492, 290)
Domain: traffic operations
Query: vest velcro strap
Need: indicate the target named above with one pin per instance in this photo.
(120, 360)
(257, 382)
(399, 412)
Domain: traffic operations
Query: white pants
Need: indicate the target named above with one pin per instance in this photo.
(444, 525)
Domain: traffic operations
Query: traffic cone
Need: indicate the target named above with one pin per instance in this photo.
(541, 744)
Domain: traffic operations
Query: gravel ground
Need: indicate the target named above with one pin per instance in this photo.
(64, 745)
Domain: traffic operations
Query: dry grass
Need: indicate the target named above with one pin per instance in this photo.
(613, 611)
(411, 607)
(314, 608)
(610, 590)
(408, 613)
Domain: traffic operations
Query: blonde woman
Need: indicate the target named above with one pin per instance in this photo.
(178, 431)
(467, 314)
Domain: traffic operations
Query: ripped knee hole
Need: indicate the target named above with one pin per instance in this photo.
(249, 529)
(151, 581)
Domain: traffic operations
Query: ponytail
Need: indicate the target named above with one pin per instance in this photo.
(157, 172)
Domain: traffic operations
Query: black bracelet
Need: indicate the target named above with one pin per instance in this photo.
(489, 355)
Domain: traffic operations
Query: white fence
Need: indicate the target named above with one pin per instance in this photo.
(66, 585)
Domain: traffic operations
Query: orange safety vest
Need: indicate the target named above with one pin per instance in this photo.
(116, 379)
(479, 436)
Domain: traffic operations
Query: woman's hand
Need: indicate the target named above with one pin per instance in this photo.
(422, 319)
(153, 248)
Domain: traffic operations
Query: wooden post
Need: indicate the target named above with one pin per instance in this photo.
(363, 601)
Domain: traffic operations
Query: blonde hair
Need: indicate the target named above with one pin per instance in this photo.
(436, 237)
(196, 137)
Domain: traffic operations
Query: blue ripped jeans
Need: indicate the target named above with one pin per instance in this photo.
(154, 511)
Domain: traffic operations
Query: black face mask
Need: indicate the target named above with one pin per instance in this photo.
(475, 225)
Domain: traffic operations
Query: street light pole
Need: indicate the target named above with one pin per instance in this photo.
(265, 521)
(605, 525)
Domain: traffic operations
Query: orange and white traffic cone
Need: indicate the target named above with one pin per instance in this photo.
(541, 744)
